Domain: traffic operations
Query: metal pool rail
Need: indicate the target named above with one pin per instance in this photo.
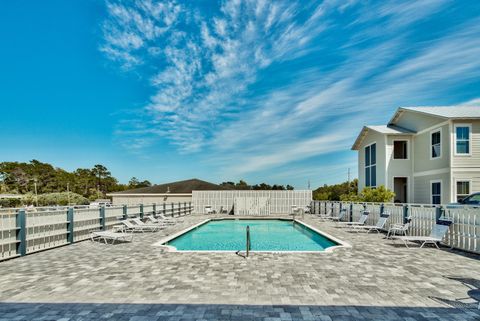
(25, 231)
(464, 233)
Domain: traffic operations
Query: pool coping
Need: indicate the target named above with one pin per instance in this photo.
(169, 248)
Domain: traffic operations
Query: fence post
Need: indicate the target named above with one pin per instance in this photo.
(154, 208)
(125, 214)
(438, 212)
(173, 210)
(102, 218)
(164, 208)
(70, 225)
(382, 208)
(405, 213)
(340, 207)
(331, 207)
(185, 208)
(189, 208)
(21, 232)
(141, 211)
(351, 212)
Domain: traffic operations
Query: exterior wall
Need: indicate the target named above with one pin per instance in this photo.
(472, 160)
(280, 202)
(149, 199)
(422, 186)
(465, 175)
(379, 139)
(422, 149)
(399, 167)
(417, 121)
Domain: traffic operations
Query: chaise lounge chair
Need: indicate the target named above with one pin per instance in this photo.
(161, 221)
(399, 228)
(377, 227)
(129, 226)
(110, 235)
(437, 234)
(361, 220)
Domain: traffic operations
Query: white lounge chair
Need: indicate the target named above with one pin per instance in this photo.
(377, 227)
(162, 221)
(399, 228)
(437, 234)
(169, 219)
(341, 215)
(110, 235)
(139, 222)
(209, 210)
(129, 226)
(361, 220)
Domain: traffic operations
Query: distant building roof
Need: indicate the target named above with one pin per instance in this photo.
(179, 187)
(383, 129)
(449, 112)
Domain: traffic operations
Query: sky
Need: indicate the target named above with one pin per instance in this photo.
(264, 91)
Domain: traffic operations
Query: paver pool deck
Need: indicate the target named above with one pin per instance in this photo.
(373, 280)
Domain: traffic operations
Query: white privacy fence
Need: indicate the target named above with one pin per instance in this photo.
(27, 231)
(464, 233)
(250, 202)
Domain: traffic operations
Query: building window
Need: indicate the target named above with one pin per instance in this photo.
(436, 143)
(462, 139)
(400, 149)
(436, 192)
(371, 165)
(463, 189)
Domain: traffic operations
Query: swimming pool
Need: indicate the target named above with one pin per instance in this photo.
(267, 235)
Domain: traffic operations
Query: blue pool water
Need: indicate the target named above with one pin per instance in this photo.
(265, 235)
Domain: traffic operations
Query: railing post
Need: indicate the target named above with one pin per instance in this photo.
(102, 218)
(351, 212)
(185, 208)
(154, 208)
(173, 210)
(21, 232)
(331, 207)
(141, 211)
(405, 213)
(179, 209)
(189, 208)
(125, 214)
(164, 209)
(70, 225)
(438, 212)
(340, 207)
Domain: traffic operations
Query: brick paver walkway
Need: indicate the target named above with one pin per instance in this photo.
(374, 280)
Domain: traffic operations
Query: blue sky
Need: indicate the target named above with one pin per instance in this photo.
(272, 91)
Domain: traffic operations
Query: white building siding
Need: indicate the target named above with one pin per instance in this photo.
(422, 188)
(473, 160)
(422, 150)
(379, 139)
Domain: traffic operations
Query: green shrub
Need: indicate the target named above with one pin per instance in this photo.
(368, 194)
(62, 198)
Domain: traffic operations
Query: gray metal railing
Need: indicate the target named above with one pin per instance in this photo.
(464, 233)
(23, 232)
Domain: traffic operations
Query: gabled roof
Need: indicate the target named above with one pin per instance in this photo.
(179, 187)
(382, 129)
(447, 112)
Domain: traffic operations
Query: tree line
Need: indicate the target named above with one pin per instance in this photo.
(242, 185)
(36, 177)
(348, 192)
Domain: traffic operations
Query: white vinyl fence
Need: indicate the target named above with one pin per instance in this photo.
(251, 202)
(464, 233)
(27, 231)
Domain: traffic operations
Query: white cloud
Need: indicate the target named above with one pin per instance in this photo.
(214, 72)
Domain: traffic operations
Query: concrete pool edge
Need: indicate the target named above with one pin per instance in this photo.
(169, 248)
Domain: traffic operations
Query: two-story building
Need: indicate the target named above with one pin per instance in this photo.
(425, 154)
